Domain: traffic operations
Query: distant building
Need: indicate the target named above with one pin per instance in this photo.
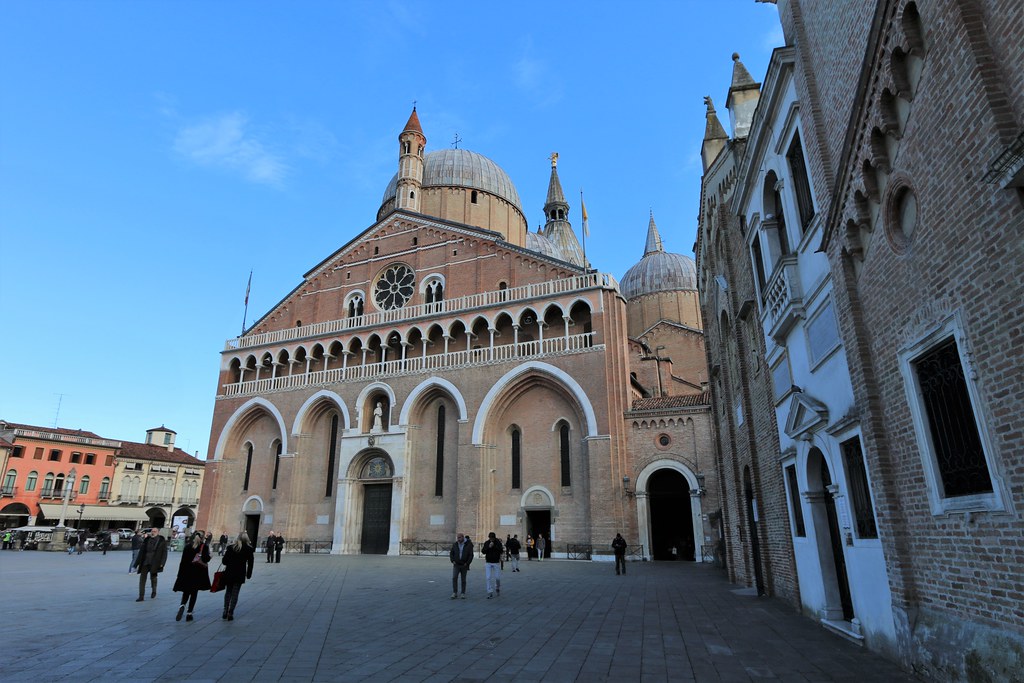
(157, 479)
(106, 483)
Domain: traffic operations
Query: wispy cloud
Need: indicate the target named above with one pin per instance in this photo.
(532, 76)
(227, 141)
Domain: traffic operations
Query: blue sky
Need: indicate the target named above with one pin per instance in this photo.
(152, 153)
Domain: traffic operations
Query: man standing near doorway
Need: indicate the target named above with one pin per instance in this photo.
(513, 546)
(152, 558)
(461, 556)
(492, 570)
(541, 547)
(619, 546)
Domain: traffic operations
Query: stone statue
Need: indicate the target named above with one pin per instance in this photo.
(378, 415)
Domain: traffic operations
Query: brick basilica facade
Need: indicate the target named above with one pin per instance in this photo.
(449, 371)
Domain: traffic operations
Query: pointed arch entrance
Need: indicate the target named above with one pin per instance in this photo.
(828, 537)
(669, 511)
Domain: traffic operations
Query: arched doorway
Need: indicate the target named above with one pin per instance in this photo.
(157, 518)
(671, 513)
(828, 537)
(375, 478)
(14, 515)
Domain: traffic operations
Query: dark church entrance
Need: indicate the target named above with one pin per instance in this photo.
(376, 519)
(671, 516)
(252, 528)
(539, 522)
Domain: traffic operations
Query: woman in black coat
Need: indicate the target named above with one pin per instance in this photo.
(193, 573)
(238, 562)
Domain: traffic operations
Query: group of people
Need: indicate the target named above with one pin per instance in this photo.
(273, 546)
(461, 556)
(149, 555)
(536, 547)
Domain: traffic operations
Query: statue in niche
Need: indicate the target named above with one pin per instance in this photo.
(378, 417)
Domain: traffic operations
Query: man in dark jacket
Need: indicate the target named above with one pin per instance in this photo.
(619, 546)
(492, 556)
(137, 540)
(152, 558)
(513, 547)
(461, 556)
(278, 547)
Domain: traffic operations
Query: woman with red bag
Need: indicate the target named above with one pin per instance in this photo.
(239, 559)
(193, 573)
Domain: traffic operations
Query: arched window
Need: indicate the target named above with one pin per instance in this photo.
(48, 484)
(105, 488)
(517, 466)
(58, 484)
(563, 451)
(248, 467)
(355, 306)
(332, 450)
(9, 481)
(277, 464)
(83, 487)
(30, 483)
(439, 468)
(472, 197)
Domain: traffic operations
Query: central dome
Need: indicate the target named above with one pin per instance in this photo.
(462, 168)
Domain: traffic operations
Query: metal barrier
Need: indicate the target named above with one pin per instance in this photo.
(575, 551)
(308, 547)
(634, 553)
(435, 548)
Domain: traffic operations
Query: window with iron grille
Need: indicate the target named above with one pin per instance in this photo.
(951, 423)
(794, 497)
(563, 448)
(801, 184)
(860, 492)
(517, 473)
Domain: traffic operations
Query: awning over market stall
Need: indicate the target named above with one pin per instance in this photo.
(94, 513)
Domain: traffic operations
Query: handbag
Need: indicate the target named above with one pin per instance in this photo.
(218, 579)
(198, 559)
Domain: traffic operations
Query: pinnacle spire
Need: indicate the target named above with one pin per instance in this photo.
(557, 227)
(653, 238)
(555, 194)
(413, 124)
(713, 130)
(741, 78)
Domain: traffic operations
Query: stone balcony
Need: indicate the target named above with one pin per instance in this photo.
(406, 314)
(501, 353)
(783, 300)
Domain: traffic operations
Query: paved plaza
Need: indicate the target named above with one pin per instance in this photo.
(376, 618)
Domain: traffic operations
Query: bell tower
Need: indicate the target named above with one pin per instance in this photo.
(411, 144)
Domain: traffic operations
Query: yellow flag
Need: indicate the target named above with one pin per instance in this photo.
(586, 228)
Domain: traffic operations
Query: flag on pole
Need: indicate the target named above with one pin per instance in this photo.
(247, 288)
(586, 228)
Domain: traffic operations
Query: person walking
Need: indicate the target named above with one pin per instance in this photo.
(136, 546)
(508, 554)
(461, 556)
(278, 547)
(619, 546)
(223, 544)
(82, 537)
(193, 573)
(8, 544)
(72, 543)
(513, 547)
(529, 547)
(151, 561)
(541, 545)
(268, 547)
(239, 559)
(492, 568)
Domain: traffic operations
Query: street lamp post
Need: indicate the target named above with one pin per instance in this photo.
(81, 510)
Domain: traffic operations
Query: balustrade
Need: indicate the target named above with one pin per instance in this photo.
(783, 301)
(450, 306)
(575, 343)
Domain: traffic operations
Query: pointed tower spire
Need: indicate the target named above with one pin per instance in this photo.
(556, 211)
(653, 238)
(714, 135)
(411, 143)
(744, 94)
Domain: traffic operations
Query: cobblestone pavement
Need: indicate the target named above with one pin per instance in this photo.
(354, 618)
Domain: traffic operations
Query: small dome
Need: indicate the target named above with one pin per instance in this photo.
(539, 243)
(659, 271)
(462, 168)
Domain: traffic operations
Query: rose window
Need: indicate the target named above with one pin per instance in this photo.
(394, 288)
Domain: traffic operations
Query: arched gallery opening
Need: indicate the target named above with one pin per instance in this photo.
(671, 512)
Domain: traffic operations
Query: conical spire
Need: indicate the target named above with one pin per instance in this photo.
(413, 124)
(653, 238)
(713, 130)
(556, 211)
(555, 194)
(741, 78)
